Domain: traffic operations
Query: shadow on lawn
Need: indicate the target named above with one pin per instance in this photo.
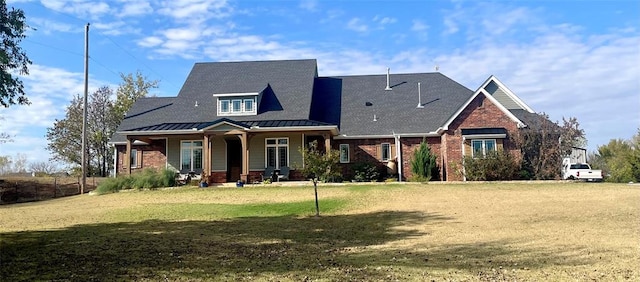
(340, 247)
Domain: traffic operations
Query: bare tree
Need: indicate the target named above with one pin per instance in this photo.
(4, 137)
(5, 165)
(46, 168)
(20, 163)
(545, 143)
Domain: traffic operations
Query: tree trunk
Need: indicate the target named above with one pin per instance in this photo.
(315, 189)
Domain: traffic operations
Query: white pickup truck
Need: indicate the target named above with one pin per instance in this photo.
(579, 171)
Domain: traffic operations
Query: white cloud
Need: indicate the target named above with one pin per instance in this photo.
(419, 26)
(384, 20)
(309, 5)
(358, 25)
(80, 8)
(150, 41)
(135, 8)
(50, 90)
(116, 28)
(48, 26)
(183, 34)
(195, 11)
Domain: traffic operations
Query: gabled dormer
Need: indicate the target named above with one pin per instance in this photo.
(237, 104)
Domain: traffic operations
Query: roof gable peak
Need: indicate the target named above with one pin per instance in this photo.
(495, 88)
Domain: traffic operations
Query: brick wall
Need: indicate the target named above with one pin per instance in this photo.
(363, 150)
(150, 156)
(410, 145)
(480, 113)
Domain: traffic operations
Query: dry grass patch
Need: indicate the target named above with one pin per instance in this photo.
(494, 231)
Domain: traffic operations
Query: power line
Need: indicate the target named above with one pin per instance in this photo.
(117, 45)
(74, 53)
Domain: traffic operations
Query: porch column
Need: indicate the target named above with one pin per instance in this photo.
(127, 158)
(206, 154)
(245, 158)
(327, 142)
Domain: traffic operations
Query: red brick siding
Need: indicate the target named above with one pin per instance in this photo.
(410, 145)
(218, 177)
(153, 156)
(363, 150)
(480, 113)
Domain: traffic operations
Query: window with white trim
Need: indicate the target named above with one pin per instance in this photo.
(248, 105)
(224, 106)
(344, 153)
(385, 151)
(236, 106)
(133, 158)
(191, 155)
(481, 147)
(229, 106)
(277, 152)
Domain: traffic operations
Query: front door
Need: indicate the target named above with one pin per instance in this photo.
(234, 159)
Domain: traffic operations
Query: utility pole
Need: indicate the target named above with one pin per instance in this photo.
(83, 185)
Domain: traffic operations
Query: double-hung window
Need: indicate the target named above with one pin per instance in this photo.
(277, 152)
(481, 147)
(191, 155)
(385, 151)
(344, 153)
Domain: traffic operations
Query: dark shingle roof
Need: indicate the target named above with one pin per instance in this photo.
(293, 95)
(532, 120)
(287, 88)
(396, 111)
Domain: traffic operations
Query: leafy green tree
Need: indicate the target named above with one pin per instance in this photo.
(635, 156)
(131, 89)
(619, 159)
(102, 123)
(423, 163)
(64, 137)
(319, 166)
(12, 58)
(104, 115)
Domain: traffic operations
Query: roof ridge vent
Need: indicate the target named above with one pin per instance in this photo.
(388, 85)
(420, 105)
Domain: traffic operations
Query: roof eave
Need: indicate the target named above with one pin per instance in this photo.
(332, 128)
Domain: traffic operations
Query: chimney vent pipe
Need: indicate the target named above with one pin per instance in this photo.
(420, 106)
(388, 85)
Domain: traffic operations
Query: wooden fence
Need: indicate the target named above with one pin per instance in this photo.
(28, 189)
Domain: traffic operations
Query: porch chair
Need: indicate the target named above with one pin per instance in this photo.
(182, 179)
(268, 172)
(284, 173)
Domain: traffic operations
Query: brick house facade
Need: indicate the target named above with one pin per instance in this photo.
(232, 120)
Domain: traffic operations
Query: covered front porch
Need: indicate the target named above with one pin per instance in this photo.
(228, 151)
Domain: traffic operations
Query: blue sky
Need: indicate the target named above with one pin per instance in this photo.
(565, 58)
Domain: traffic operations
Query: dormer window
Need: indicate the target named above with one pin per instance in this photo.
(224, 106)
(239, 104)
(248, 105)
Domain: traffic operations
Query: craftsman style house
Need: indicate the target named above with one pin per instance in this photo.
(232, 120)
